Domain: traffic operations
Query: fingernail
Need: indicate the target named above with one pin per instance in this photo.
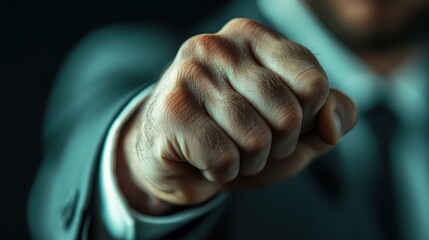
(338, 123)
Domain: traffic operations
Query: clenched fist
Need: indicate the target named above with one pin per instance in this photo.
(244, 107)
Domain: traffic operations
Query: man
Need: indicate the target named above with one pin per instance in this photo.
(208, 150)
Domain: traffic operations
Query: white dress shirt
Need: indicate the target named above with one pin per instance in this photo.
(405, 92)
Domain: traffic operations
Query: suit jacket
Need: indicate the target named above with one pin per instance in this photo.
(100, 76)
(94, 84)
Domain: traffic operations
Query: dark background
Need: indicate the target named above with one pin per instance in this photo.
(35, 37)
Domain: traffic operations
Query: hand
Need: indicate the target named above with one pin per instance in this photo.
(242, 108)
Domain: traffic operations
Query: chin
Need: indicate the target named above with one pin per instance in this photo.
(381, 37)
(373, 24)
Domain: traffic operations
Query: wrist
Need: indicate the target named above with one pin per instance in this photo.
(134, 192)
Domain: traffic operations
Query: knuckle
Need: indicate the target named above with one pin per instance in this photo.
(299, 52)
(214, 45)
(243, 116)
(288, 51)
(245, 25)
(316, 85)
(239, 22)
(187, 48)
(226, 158)
(189, 70)
(178, 105)
(257, 139)
(222, 154)
(211, 47)
(288, 118)
(208, 42)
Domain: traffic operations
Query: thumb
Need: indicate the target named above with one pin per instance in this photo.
(336, 118)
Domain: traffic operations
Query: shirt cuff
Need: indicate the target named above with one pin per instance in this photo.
(119, 219)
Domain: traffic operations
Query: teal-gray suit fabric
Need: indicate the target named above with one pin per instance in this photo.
(102, 73)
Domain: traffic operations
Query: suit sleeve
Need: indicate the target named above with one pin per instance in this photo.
(96, 81)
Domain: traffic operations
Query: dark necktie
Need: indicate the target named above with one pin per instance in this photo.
(383, 123)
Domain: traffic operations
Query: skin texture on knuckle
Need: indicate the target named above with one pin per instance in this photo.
(190, 71)
(195, 79)
(242, 118)
(244, 25)
(227, 159)
(210, 146)
(313, 93)
(212, 45)
(293, 57)
(239, 23)
(307, 76)
(257, 139)
(221, 154)
(178, 105)
(286, 50)
(288, 118)
(210, 48)
(221, 157)
(314, 85)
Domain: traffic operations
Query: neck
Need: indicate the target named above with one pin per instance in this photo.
(386, 62)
